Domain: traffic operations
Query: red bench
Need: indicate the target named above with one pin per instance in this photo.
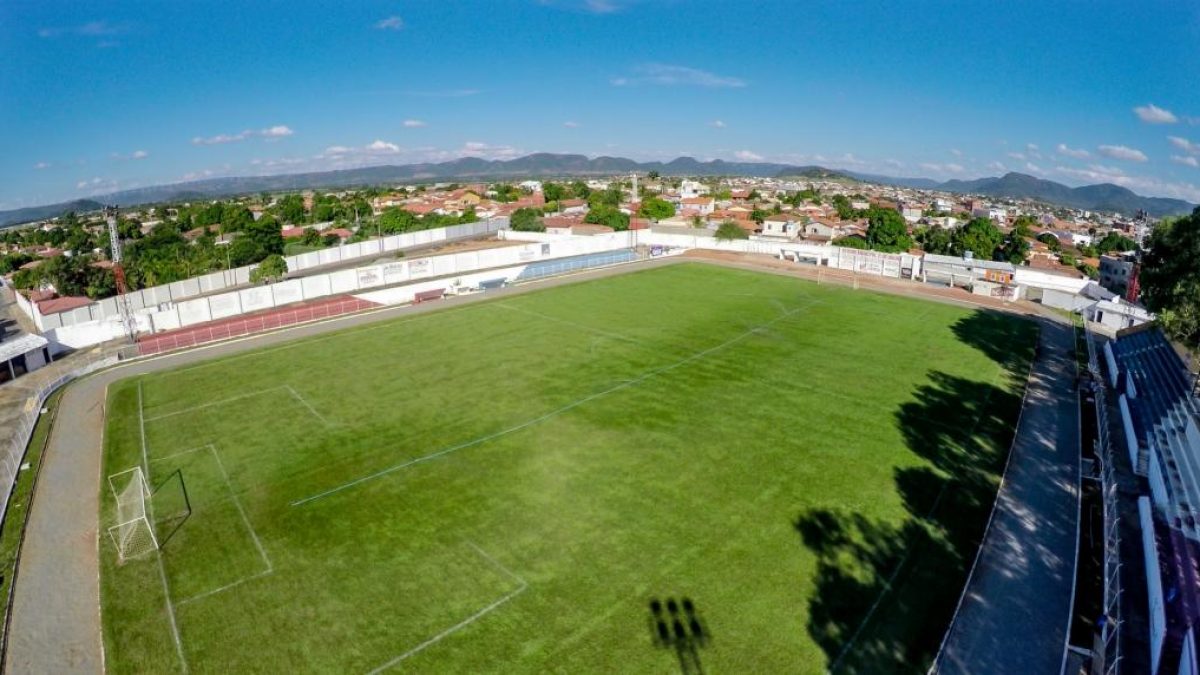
(425, 296)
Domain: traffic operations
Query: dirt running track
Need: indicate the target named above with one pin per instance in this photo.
(56, 617)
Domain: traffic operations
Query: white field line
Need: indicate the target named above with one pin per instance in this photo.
(216, 403)
(553, 413)
(182, 452)
(304, 402)
(522, 585)
(242, 511)
(891, 579)
(162, 570)
(226, 587)
(249, 528)
(575, 324)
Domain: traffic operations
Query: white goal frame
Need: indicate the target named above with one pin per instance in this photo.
(132, 516)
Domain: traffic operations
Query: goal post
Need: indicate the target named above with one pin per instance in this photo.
(133, 534)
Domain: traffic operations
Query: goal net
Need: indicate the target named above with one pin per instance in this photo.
(133, 534)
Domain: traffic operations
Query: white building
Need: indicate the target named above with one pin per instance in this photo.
(690, 189)
(22, 354)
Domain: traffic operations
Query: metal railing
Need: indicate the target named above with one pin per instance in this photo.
(22, 431)
(1110, 631)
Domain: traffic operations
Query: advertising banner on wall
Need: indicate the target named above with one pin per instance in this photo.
(419, 268)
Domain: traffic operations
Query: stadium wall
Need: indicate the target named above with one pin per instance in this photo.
(155, 296)
(179, 314)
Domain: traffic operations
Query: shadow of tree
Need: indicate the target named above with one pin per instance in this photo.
(885, 592)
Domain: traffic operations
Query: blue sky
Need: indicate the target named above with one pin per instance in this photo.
(101, 96)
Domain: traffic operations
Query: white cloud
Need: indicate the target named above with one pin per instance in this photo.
(600, 6)
(413, 124)
(997, 166)
(96, 185)
(943, 169)
(382, 147)
(42, 165)
(1184, 144)
(488, 151)
(270, 133)
(1033, 168)
(956, 152)
(1124, 153)
(136, 154)
(1019, 156)
(1077, 153)
(390, 23)
(747, 156)
(893, 163)
(89, 29)
(717, 124)
(571, 125)
(670, 75)
(277, 131)
(1152, 114)
(1186, 160)
(220, 139)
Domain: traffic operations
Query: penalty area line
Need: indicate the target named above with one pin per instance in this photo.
(698, 356)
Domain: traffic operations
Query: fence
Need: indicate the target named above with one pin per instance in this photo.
(239, 276)
(191, 337)
(22, 430)
(1110, 631)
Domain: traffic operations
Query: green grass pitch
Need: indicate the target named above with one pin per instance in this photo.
(506, 486)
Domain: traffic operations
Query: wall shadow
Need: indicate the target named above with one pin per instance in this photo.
(885, 592)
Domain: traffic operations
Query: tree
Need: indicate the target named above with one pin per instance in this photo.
(980, 236)
(1015, 249)
(1115, 241)
(842, 204)
(610, 197)
(526, 220)
(1023, 226)
(653, 175)
(887, 231)
(758, 215)
(656, 209)
(608, 215)
(936, 240)
(553, 192)
(290, 209)
(1170, 277)
(1050, 241)
(311, 237)
(852, 242)
(729, 230)
(395, 220)
(272, 268)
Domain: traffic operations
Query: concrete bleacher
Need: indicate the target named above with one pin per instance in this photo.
(1158, 405)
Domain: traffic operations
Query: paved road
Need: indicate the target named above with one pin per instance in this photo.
(56, 620)
(1017, 603)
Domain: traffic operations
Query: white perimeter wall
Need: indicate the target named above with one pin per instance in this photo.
(150, 298)
(511, 259)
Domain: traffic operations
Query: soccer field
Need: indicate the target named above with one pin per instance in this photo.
(506, 486)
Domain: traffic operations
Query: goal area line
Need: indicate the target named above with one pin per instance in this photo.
(698, 356)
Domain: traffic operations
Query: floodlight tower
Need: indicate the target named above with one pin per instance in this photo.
(114, 240)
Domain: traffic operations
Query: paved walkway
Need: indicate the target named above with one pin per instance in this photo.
(1017, 604)
(56, 619)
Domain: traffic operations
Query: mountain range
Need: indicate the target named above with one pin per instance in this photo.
(1103, 197)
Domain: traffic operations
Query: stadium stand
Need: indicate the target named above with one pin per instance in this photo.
(1158, 406)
